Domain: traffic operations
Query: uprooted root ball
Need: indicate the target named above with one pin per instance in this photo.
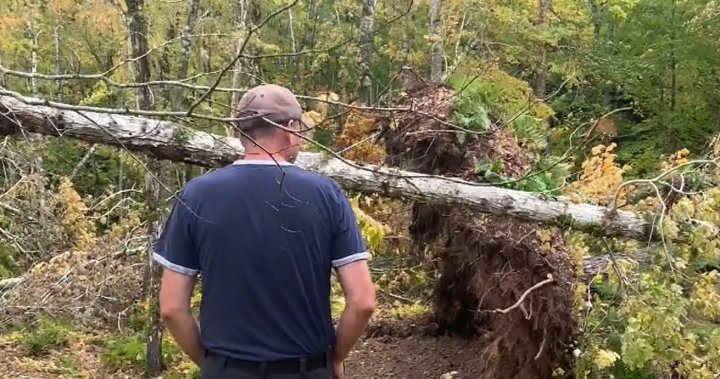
(487, 265)
(487, 262)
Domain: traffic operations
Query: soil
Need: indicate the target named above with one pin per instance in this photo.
(414, 357)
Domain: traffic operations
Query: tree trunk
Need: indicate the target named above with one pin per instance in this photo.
(241, 14)
(186, 43)
(160, 139)
(436, 53)
(366, 48)
(541, 71)
(58, 68)
(596, 20)
(137, 28)
(177, 95)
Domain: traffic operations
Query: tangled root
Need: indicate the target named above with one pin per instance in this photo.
(487, 262)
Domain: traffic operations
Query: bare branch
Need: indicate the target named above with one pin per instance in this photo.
(230, 65)
(524, 295)
(126, 111)
(7, 284)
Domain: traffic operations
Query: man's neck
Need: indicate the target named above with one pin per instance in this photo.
(263, 156)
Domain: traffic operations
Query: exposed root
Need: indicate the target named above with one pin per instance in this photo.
(486, 262)
(524, 295)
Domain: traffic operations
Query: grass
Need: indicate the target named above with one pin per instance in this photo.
(48, 335)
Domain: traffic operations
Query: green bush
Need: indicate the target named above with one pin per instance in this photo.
(48, 334)
(129, 351)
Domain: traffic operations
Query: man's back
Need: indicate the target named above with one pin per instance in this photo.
(264, 238)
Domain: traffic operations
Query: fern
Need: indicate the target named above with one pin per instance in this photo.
(530, 130)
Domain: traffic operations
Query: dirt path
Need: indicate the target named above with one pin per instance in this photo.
(414, 357)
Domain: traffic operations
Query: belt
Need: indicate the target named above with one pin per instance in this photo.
(285, 366)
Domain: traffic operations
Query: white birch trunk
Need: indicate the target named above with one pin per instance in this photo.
(166, 140)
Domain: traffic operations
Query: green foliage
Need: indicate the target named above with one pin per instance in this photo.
(373, 231)
(128, 351)
(7, 259)
(408, 311)
(69, 365)
(657, 58)
(547, 178)
(648, 321)
(45, 336)
(498, 99)
(100, 171)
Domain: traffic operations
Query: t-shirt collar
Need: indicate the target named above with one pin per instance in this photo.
(268, 162)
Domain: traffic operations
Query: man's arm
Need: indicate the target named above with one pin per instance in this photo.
(359, 293)
(175, 251)
(350, 259)
(175, 309)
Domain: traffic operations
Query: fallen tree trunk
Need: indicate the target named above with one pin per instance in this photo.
(168, 140)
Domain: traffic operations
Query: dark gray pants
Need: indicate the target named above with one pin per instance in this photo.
(221, 367)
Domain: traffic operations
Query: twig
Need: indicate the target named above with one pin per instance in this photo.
(524, 295)
(230, 65)
(7, 284)
(398, 297)
(542, 345)
(82, 161)
(104, 74)
(613, 204)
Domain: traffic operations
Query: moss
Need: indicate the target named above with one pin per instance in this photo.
(409, 311)
(8, 266)
(181, 135)
(564, 221)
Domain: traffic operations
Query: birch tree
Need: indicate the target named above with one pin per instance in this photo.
(138, 30)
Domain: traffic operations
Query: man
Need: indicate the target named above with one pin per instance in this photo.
(264, 235)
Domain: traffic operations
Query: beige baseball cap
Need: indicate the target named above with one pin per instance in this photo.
(271, 101)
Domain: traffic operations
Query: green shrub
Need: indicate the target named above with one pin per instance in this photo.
(48, 334)
(129, 351)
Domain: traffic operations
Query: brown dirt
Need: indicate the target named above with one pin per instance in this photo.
(414, 357)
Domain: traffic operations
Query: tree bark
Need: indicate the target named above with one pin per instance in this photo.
(436, 53)
(177, 94)
(137, 28)
(366, 48)
(166, 140)
(596, 19)
(541, 71)
(241, 25)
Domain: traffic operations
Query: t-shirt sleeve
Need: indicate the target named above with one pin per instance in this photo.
(348, 244)
(175, 248)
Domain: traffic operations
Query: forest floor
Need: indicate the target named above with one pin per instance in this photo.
(393, 349)
(414, 357)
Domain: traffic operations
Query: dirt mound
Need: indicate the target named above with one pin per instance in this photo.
(487, 262)
(488, 265)
(426, 139)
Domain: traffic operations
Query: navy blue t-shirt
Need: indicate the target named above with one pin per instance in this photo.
(264, 240)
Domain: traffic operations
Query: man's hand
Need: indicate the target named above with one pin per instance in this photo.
(359, 292)
(338, 370)
(175, 294)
